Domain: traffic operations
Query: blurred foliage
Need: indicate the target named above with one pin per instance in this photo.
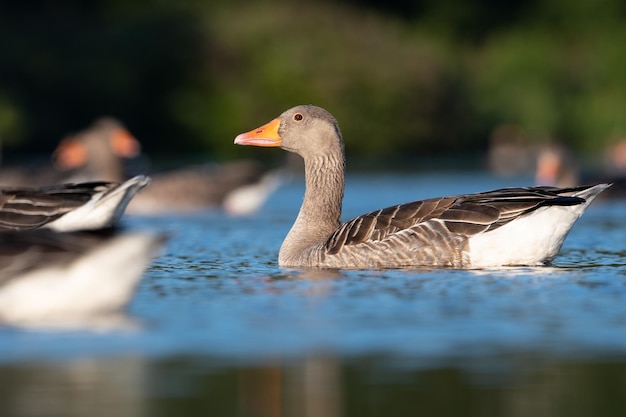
(66, 63)
(385, 84)
(402, 77)
(560, 77)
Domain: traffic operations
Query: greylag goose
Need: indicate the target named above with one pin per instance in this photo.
(97, 154)
(558, 166)
(248, 199)
(106, 139)
(196, 188)
(67, 207)
(511, 226)
(47, 275)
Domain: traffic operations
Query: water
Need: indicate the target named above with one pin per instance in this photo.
(221, 330)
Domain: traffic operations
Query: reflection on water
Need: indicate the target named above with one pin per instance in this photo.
(221, 330)
(317, 386)
(312, 388)
(81, 387)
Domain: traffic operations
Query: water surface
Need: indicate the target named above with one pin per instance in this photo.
(221, 330)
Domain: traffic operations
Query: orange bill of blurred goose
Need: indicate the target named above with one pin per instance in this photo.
(505, 227)
(67, 207)
(48, 276)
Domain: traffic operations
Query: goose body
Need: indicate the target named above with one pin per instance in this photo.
(248, 199)
(67, 207)
(511, 226)
(47, 275)
(195, 188)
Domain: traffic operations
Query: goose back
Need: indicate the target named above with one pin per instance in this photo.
(436, 232)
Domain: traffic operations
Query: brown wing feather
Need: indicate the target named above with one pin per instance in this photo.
(29, 208)
(464, 215)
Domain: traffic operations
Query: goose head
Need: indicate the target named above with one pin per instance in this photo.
(306, 130)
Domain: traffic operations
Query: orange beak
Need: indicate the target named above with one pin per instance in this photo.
(266, 135)
(548, 167)
(70, 154)
(124, 144)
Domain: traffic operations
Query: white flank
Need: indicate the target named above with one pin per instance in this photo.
(103, 210)
(99, 281)
(248, 199)
(534, 239)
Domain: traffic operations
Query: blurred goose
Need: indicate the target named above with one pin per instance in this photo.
(511, 226)
(248, 199)
(558, 166)
(97, 154)
(67, 207)
(196, 188)
(47, 275)
(107, 139)
(105, 144)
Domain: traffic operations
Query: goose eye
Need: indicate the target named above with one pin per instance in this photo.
(298, 117)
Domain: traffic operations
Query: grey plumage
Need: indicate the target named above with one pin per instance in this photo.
(451, 231)
(28, 250)
(30, 208)
(435, 232)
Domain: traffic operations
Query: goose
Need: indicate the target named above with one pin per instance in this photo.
(104, 145)
(98, 152)
(558, 166)
(107, 139)
(505, 227)
(248, 199)
(197, 188)
(67, 207)
(47, 275)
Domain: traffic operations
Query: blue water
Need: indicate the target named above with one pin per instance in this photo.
(216, 299)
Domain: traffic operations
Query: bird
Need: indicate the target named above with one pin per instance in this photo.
(248, 199)
(55, 276)
(67, 207)
(98, 153)
(107, 139)
(523, 226)
(198, 188)
(558, 166)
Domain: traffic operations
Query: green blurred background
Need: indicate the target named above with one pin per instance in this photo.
(427, 77)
